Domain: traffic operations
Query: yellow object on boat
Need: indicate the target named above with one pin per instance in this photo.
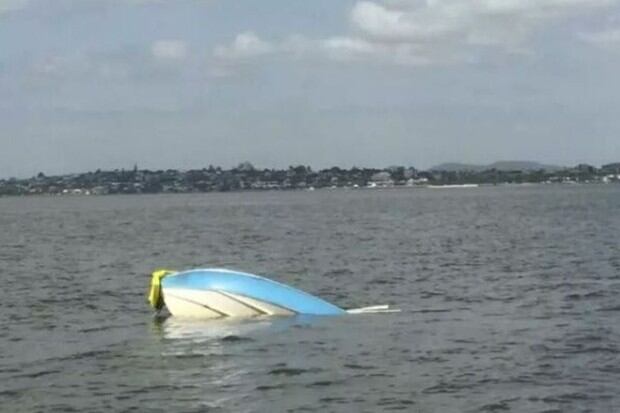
(156, 299)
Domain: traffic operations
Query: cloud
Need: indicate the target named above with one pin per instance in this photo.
(414, 32)
(7, 6)
(169, 49)
(246, 45)
(377, 21)
(605, 38)
(351, 48)
(135, 64)
(57, 67)
(11, 5)
(342, 47)
(456, 24)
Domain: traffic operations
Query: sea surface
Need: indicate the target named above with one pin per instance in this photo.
(510, 300)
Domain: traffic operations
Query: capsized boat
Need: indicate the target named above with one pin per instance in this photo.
(216, 293)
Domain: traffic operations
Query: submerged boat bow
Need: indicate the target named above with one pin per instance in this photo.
(215, 293)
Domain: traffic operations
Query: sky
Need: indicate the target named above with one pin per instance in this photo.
(106, 84)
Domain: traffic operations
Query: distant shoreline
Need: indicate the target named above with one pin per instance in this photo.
(448, 188)
(247, 178)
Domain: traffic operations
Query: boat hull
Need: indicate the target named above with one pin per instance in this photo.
(216, 293)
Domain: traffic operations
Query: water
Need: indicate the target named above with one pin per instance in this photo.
(509, 299)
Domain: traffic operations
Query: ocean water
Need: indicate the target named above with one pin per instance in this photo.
(509, 299)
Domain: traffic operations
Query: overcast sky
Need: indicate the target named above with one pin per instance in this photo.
(87, 84)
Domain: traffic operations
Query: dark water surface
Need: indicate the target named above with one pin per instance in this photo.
(509, 298)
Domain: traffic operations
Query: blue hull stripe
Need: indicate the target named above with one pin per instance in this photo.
(252, 286)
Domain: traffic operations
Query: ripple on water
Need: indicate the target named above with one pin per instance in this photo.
(508, 299)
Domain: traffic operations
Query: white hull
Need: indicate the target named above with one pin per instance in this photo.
(216, 304)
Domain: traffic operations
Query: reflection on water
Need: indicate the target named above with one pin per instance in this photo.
(226, 357)
(226, 329)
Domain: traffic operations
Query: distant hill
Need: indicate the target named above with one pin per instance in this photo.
(500, 166)
(454, 166)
